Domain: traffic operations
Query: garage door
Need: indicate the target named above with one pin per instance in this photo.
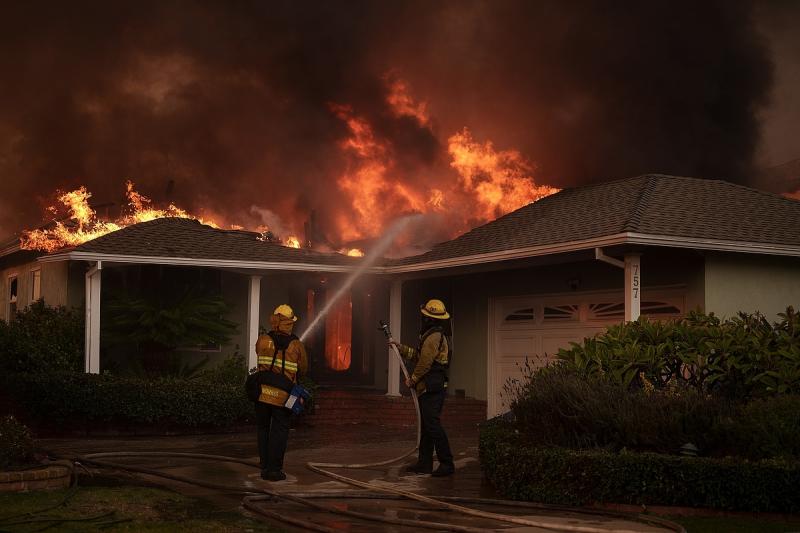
(532, 329)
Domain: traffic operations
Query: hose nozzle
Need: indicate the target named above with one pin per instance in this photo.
(383, 326)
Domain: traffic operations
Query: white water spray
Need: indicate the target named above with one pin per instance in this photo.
(374, 254)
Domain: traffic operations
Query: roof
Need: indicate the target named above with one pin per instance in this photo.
(680, 208)
(187, 239)
(651, 210)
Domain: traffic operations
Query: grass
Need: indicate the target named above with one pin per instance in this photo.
(124, 508)
(736, 525)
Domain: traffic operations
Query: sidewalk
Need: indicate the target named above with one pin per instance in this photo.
(342, 444)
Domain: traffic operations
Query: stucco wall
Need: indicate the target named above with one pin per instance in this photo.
(54, 284)
(742, 282)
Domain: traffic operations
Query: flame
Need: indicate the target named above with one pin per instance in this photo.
(83, 224)
(400, 101)
(292, 242)
(793, 195)
(354, 252)
(374, 195)
(499, 180)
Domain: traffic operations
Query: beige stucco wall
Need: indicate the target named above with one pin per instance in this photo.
(54, 284)
(742, 282)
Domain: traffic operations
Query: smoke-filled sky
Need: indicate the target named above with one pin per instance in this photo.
(257, 112)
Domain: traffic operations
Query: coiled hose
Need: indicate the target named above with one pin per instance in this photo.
(251, 497)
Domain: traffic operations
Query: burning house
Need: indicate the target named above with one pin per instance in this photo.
(521, 286)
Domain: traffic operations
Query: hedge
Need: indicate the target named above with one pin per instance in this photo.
(580, 477)
(67, 398)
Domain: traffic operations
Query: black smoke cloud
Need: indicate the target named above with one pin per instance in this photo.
(231, 101)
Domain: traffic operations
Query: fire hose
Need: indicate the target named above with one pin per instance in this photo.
(252, 497)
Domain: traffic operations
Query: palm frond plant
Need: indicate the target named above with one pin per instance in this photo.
(156, 328)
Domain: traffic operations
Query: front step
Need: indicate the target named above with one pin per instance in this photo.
(340, 407)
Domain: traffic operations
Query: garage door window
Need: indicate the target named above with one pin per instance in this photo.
(521, 315)
(561, 313)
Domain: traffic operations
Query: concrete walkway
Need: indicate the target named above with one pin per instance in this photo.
(344, 444)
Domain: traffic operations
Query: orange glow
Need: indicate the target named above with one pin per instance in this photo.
(338, 334)
(499, 180)
(354, 252)
(793, 195)
(83, 224)
(402, 103)
(368, 181)
(293, 242)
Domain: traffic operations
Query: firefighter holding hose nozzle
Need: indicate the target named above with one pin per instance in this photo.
(429, 378)
(282, 360)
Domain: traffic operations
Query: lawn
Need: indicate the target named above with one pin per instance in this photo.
(736, 525)
(125, 508)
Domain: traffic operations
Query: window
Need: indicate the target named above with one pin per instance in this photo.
(521, 315)
(12, 297)
(36, 284)
(561, 313)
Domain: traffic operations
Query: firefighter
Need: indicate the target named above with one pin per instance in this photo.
(430, 381)
(282, 360)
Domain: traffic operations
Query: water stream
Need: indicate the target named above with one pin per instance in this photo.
(368, 261)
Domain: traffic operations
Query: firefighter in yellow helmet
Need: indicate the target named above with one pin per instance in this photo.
(282, 358)
(429, 378)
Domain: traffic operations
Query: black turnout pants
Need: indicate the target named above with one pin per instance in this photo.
(273, 433)
(433, 434)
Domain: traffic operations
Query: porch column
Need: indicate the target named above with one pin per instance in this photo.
(253, 303)
(92, 326)
(395, 315)
(633, 286)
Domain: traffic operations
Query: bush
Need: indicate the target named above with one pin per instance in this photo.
(579, 477)
(556, 407)
(16, 443)
(42, 338)
(67, 398)
(741, 357)
(768, 427)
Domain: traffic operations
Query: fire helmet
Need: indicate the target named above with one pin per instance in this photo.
(435, 309)
(285, 311)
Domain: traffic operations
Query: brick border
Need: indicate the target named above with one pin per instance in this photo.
(51, 477)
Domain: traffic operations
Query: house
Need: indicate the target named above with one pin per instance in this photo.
(519, 287)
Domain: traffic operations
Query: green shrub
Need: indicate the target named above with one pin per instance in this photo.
(42, 338)
(578, 477)
(557, 407)
(768, 427)
(16, 443)
(739, 357)
(70, 398)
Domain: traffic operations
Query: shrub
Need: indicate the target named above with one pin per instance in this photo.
(578, 477)
(42, 338)
(16, 443)
(557, 407)
(67, 398)
(768, 427)
(740, 357)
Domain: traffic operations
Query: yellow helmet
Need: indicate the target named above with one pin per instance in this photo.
(435, 309)
(286, 311)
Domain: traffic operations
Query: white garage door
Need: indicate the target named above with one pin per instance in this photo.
(533, 328)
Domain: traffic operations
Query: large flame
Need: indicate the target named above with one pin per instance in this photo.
(83, 225)
(500, 181)
(490, 182)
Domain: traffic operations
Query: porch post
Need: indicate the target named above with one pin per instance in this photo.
(633, 286)
(253, 302)
(92, 326)
(395, 314)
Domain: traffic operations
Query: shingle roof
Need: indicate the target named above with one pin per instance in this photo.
(651, 204)
(185, 238)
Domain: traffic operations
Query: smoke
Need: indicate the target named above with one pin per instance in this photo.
(234, 102)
